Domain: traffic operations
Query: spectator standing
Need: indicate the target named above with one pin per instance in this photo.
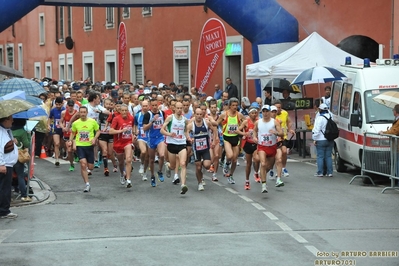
(286, 95)
(323, 146)
(327, 96)
(268, 96)
(394, 130)
(218, 92)
(231, 89)
(8, 157)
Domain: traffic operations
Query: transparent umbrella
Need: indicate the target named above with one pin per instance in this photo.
(13, 106)
(389, 98)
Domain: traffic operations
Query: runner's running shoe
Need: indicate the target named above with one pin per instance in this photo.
(141, 169)
(106, 172)
(257, 178)
(214, 178)
(87, 188)
(226, 168)
(285, 172)
(211, 169)
(184, 189)
(230, 179)
(247, 185)
(264, 188)
(72, 168)
(153, 183)
(115, 170)
(128, 183)
(144, 177)
(160, 177)
(96, 164)
(122, 180)
(168, 172)
(201, 187)
(176, 179)
(279, 183)
(271, 174)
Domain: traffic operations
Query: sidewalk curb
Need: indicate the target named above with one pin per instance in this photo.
(40, 196)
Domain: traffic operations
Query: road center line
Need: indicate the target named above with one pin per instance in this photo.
(258, 206)
(217, 183)
(284, 226)
(245, 198)
(231, 190)
(298, 238)
(271, 216)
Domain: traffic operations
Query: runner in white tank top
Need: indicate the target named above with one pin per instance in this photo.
(266, 131)
(175, 130)
(177, 127)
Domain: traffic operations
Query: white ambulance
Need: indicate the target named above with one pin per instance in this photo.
(356, 109)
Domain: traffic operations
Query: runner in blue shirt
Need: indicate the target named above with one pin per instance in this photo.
(53, 124)
(142, 139)
(153, 121)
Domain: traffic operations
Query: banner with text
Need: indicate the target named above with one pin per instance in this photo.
(122, 44)
(210, 51)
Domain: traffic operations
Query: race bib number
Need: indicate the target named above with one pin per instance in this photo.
(232, 129)
(142, 132)
(157, 124)
(127, 134)
(265, 140)
(201, 144)
(84, 136)
(102, 127)
(57, 123)
(179, 132)
(67, 124)
(250, 135)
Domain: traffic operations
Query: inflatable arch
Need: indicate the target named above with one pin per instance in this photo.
(259, 21)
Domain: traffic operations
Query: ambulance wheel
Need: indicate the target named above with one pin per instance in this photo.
(339, 163)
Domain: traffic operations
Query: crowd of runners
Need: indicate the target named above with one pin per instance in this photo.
(166, 128)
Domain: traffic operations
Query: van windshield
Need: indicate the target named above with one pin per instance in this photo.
(379, 105)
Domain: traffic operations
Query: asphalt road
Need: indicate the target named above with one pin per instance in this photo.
(308, 221)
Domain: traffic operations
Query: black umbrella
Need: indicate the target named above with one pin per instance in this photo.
(279, 85)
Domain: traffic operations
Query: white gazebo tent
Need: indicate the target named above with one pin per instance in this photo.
(312, 51)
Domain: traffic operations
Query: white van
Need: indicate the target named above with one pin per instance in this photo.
(356, 111)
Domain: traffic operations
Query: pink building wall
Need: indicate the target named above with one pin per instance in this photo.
(333, 19)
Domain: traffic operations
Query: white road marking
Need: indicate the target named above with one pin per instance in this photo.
(245, 198)
(231, 190)
(312, 250)
(6, 233)
(298, 238)
(258, 206)
(219, 184)
(52, 160)
(284, 226)
(271, 216)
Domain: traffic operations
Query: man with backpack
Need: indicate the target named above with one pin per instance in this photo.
(325, 130)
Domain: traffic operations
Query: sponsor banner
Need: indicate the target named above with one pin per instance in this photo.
(210, 51)
(122, 44)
